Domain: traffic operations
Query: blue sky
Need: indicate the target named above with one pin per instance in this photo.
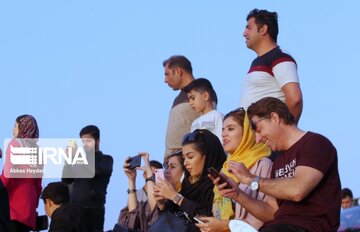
(73, 63)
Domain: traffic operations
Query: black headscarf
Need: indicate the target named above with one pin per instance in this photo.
(201, 193)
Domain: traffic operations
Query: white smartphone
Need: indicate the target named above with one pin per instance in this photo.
(159, 173)
(198, 220)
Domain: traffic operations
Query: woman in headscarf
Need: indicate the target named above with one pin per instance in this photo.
(201, 150)
(24, 190)
(239, 142)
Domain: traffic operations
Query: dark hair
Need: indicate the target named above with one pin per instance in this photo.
(92, 130)
(264, 17)
(28, 127)
(238, 115)
(58, 192)
(179, 61)
(265, 106)
(345, 192)
(179, 156)
(156, 164)
(208, 145)
(202, 85)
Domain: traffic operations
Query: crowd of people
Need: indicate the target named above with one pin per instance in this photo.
(252, 168)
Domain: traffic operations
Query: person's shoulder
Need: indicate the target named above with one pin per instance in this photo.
(264, 162)
(104, 157)
(316, 137)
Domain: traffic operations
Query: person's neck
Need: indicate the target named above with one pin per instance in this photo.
(290, 135)
(193, 179)
(265, 48)
(186, 80)
(54, 207)
(207, 110)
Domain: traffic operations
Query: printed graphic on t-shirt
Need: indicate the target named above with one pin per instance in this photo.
(286, 172)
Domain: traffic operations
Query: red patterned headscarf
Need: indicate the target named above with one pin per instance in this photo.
(27, 127)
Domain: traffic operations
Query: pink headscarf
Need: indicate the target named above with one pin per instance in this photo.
(28, 128)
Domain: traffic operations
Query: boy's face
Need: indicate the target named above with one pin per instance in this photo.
(198, 101)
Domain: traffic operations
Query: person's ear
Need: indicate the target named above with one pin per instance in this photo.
(178, 71)
(275, 117)
(264, 29)
(48, 203)
(206, 96)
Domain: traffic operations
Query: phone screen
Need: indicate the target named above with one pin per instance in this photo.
(134, 162)
(198, 220)
(159, 173)
(214, 173)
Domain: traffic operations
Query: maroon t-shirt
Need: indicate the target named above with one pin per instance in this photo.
(320, 210)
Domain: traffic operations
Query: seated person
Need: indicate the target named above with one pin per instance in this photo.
(140, 208)
(347, 198)
(239, 142)
(201, 150)
(64, 216)
(304, 179)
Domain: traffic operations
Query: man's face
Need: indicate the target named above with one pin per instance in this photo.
(173, 78)
(252, 34)
(346, 202)
(266, 131)
(47, 208)
(88, 142)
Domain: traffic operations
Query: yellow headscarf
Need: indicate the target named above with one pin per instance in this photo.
(248, 152)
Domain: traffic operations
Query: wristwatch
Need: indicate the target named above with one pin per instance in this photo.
(254, 185)
(177, 198)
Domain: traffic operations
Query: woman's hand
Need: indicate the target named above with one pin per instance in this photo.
(165, 189)
(212, 224)
(131, 174)
(222, 187)
(146, 167)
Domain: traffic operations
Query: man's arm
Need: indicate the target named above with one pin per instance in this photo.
(295, 189)
(263, 210)
(293, 99)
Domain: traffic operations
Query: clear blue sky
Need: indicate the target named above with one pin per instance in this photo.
(73, 63)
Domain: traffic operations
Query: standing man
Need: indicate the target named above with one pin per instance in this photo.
(90, 193)
(178, 74)
(273, 73)
(304, 180)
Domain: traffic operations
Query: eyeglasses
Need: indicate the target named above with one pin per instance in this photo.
(191, 137)
(254, 124)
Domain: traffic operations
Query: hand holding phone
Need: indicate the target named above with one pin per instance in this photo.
(134, 162)
(215, 174)
(159, 173)
(198, 220)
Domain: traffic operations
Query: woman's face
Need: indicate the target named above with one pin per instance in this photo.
(16, 130)
(231, 134)
(174, 171)
(194, 160)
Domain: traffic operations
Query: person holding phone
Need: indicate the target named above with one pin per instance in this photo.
(239, 142)
(141, 203)
(201, 150)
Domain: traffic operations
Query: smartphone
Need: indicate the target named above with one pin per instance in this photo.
(159, 173)
(214, 173)
(198, 220)
(134, 162)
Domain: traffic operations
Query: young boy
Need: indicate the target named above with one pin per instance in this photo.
(203, 99)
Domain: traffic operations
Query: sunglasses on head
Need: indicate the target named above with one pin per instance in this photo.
(191, 137)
